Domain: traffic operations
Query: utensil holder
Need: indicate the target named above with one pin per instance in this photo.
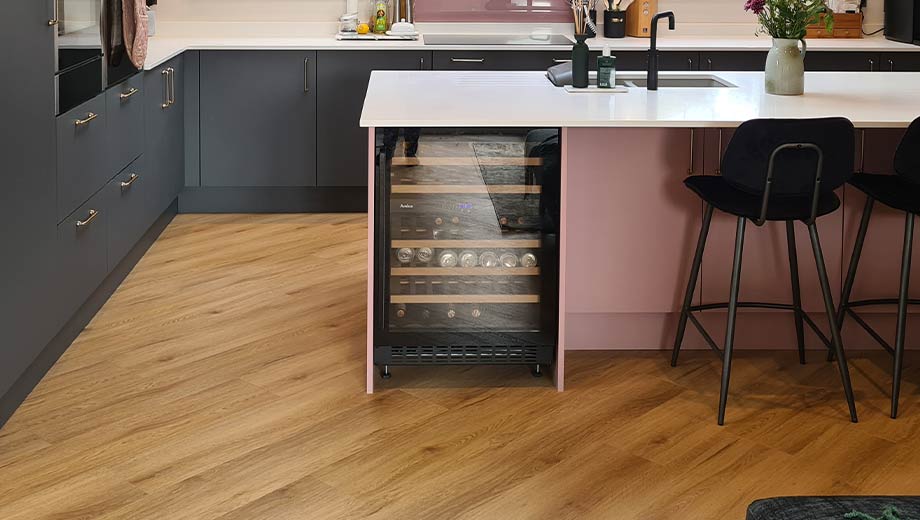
(614, 24)
(580, 62)
(588, 31)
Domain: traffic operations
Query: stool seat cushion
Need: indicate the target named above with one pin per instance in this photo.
(725, 197)
(830, 508)
(891, 190)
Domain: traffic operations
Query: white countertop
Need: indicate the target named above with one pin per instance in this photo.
(163, 48)
(528, 99)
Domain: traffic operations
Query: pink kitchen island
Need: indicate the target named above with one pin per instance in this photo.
(626, 225)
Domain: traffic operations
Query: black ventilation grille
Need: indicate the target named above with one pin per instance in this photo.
(464, 355)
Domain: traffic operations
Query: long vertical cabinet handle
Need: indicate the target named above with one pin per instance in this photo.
(871, 65)
(891, 65)
(172, 86)
(55, 19)
(690, 169)
(306, 75)
(165, 74)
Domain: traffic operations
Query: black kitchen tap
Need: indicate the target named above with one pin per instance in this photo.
(652, 78)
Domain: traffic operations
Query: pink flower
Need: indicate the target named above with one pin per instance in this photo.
(755, 6)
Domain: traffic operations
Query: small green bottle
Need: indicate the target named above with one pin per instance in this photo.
(606, 69)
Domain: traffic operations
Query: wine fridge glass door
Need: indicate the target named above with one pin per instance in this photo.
(469, 229)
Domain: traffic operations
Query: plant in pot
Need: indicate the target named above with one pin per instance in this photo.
(786, 21)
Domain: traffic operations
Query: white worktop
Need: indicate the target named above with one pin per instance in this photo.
(528, 99)
(169, 45)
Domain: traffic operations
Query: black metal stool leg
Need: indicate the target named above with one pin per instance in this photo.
(831, 318)
(902, 314)
(730, 326)
(854, 263)
(691, 285)
(796, 290)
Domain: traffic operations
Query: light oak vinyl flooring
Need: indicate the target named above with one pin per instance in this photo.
(225, 380)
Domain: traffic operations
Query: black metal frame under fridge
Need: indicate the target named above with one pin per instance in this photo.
(496, 347)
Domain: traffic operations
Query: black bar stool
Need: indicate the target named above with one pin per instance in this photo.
(780, 170)
(902, 192)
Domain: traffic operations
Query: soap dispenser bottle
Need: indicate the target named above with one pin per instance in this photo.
(606, 69)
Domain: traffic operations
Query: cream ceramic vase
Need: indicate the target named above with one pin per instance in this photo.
(784, 74)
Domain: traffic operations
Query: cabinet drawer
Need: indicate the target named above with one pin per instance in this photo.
(124, 121)
(82, 262)
(130, 214)
(500, 60)
(82, 167)
(842, 61)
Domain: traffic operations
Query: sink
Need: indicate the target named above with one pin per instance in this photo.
(496, 39)
(683, 81)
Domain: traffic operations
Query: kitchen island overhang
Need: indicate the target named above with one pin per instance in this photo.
(627, 225)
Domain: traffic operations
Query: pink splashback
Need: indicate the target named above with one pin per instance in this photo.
(492, 11)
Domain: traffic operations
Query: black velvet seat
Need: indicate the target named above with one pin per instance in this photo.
(725, 197)
(774, 170)
(895, 191)
(900, 191)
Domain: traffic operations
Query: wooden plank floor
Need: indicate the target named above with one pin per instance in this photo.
(224, 380)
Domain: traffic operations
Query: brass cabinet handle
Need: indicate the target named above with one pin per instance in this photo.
(421, 63)
(891, 65)
(871, 65)
(89, 218)
(52, 22)
(131, 180)
(467, 60)
(689, 63)
(165, 74)
(172, 85)
(306, 74)
(126, 95)
(89, 117)
(709, 63)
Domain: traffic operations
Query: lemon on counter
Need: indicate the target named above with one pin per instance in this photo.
(363, 28)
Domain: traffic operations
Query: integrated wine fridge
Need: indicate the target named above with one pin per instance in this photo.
(466, 254)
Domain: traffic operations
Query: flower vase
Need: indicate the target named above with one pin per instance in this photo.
(580, 62)
(784, 74)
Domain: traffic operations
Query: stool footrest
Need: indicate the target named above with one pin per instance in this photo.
(868, 328)
(762, 305)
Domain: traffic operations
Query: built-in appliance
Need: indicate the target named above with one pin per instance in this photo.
(497, 39)
(902, 21)
(87, 60)
(466, 247)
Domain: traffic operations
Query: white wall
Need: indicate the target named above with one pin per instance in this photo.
(687, 11)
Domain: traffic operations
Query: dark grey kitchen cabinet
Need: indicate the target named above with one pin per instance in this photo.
(164, 122)
(842, 61)
(341, 85)
(900, 62)
(128, 210)
(124, 122)
(500, 60)
(82, 251)
(258, 118)
(28, 318)
(732, 60)
(82, 167)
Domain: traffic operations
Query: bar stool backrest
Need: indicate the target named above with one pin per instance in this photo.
(907, 158)
(747, 158)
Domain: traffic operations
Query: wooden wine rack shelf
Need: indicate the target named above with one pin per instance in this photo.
(465, 298)
(464, 271)
(499, 189)
(467, 161)
(471, 244)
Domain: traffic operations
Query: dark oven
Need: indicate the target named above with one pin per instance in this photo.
(88, 54)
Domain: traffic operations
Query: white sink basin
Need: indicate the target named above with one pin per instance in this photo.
(675, 81)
